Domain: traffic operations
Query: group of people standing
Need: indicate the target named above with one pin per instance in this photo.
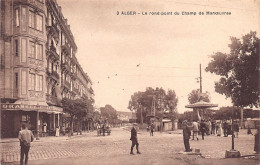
(204, 128)
(101, 128)
(212, 127)
(150, 128)
(217, 128)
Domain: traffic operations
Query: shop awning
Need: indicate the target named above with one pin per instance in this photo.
(31, 106)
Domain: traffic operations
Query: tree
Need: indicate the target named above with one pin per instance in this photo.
(108, 113)
(227, 113)
(172, 102)
(164, 104)
(194, 96)
(239, 71)
(77, 109)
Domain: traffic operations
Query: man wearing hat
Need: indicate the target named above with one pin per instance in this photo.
(134, 139)
(186, 136)
(25, 137)
(257, 140)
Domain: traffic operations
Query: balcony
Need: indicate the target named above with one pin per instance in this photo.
(53, 100)
(84, 96)
(66, 49)
(34, 3)
(54, 75)
(52, 54)
(53, 31)
(75, 90)
(91, 90)
(65, 67)
(66, 84)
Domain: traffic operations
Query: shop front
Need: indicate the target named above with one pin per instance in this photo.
(41, 119)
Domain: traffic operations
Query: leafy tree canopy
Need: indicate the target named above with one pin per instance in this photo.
(195, 96)
(239, 71)
(77, 108)
(164, 103)
(109, 113)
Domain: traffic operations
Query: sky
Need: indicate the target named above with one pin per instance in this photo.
(167, 48)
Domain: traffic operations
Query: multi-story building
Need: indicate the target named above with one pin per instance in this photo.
(38, 66)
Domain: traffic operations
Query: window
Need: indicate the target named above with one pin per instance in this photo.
(36, 51)
(17, 20)
(32, 50)
(35, 82)
(31, 81)
(16, 47)
(31, 19)
(39, 50)
(35, 21)
(38, 85)
(16, 80)
(39, 22)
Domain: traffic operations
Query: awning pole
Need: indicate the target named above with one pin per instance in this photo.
(37, 125)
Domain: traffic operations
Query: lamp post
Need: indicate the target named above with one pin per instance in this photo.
(232, 153)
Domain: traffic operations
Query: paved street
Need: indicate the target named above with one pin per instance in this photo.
(162, 148)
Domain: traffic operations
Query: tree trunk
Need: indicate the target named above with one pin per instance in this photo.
(71, 125)
(242, 118)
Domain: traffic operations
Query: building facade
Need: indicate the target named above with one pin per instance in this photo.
(38, 66)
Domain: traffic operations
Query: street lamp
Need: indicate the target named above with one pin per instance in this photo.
(232, 153)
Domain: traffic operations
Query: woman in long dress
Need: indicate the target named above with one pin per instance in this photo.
(221, 129)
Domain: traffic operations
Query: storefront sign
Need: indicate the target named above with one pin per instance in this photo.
(30, 107)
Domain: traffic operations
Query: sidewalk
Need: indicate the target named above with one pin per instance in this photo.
(49, 138)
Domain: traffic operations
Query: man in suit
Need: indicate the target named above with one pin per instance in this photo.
(25, 137)
(134, 139)
(203, 128)
(186, 136)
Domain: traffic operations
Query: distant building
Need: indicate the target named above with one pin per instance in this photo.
(38, 66)
(126, 116)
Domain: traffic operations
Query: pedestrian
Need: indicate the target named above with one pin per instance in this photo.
(57, 131)
(257, 139)
(225, 128)
(249, 132)
(25, 137)
(98, 130)
(63, 130)
(186, 136)
(134, 139)
(236, 129)
(213, 127)
(151, 130)
(202, 128)
(103, 129)
(195, 130)
(209, 127)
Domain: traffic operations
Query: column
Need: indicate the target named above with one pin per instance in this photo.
(58, 120)
(54, 124)
(37, 125)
